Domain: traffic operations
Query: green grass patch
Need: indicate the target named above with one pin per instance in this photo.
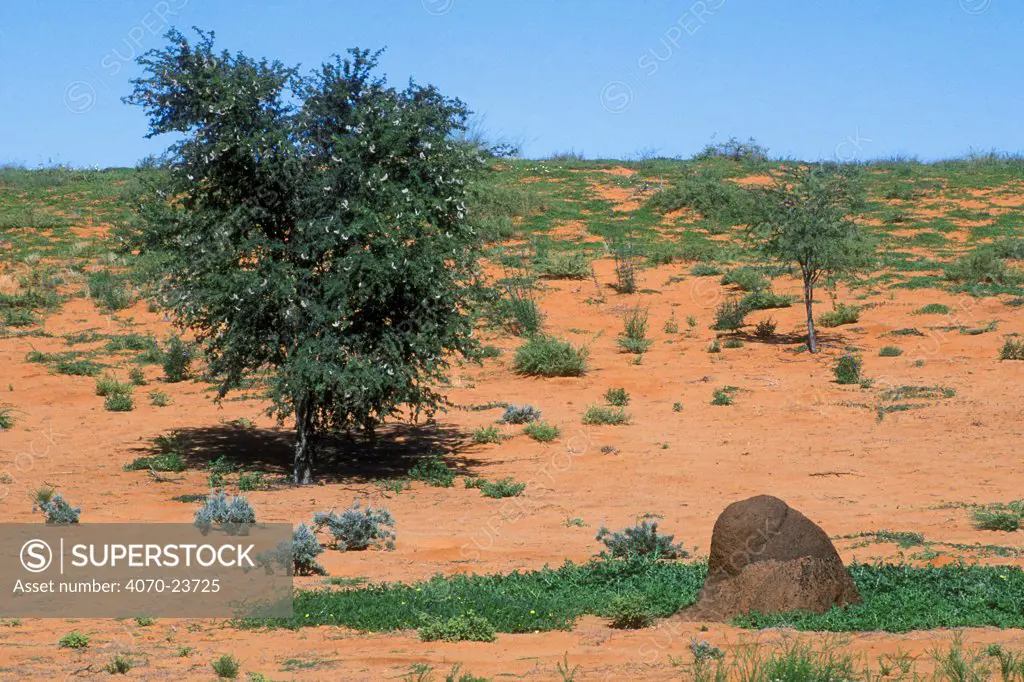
(932, 309)
(549, 357)
(596, 415)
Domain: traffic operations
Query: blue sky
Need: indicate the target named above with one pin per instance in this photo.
(609, 78)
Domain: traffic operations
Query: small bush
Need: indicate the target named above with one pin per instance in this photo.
(732, 343)
(505, 487)
(705, 651)
(746, 279)
(642, 540)
(165, 461)
(671, 325)
(357, 529)
(565, 265)
(251, 480)
(890, 352)
(119, 402)
(6, 419)
(981, 266)
(159, 399)
(677, 407)
(932, 309)
(729, 316)
(541, 432)
(722, 396)
(305, 549)
(625, 271)
(996, 519)
(434, 472)
(519, 313)
(118, 665)
(218, 509)
(600, 415)
(56, 508)
(714, 347)
(109, 290)
(841, 314)
(1012, 349)
(616, 397)
(77, 367)
(226, 667)
(765, 329)
(520, 414)
(177, 359)
(136, 376)
(705, 270)
(630, 612)
(468, 627)
(487, 434)
(550, 357)
(74, 640)
(848, 369)
(765, 299)
(633, 338)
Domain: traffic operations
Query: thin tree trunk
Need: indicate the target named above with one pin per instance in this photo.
(304, 444)
(812, 340)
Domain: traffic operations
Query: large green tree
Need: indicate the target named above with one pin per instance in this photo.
(805, 218)
(311, 229)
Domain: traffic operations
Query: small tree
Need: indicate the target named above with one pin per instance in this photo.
(311, 228)
(805, 218)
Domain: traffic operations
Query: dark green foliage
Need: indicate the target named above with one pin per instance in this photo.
(732, 343)
(932, 309)
(633, 339)
(550, 357)
(705, 270)
(6, 419)
(723, 396)
(765, 329)
(318, 232)
(848, 369)
(1013, 349)
(226, 667)
(890, 352)
(805, 218)
(467, 627)
(640, 541)
(707, 193)
(77, 367)
(765, 299)
(616, 397)
(504, 487)
(983, 265)
(120, 401)
(734, 149)
(251, 480)
(433, 471)
(996, 519)
(841, 314)
(165, 461)
(357, 528)
(176, 359)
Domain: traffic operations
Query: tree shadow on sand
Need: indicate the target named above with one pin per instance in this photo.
(339, 458)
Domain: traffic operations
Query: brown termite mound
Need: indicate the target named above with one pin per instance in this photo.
(769, 558)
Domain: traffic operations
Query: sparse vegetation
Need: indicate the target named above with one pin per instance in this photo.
(847, 369)
(601, 415)
(641, 540)
(74, 640)
(616, 397)
(841, 314)
(633, 338)
(550, 357)
(433, 471)
(541, 432)
(226, 667)
(890, 352)
(358, 528)
(1013, 349)
(487, 434)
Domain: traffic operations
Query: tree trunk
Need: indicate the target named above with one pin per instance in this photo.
(812, 340)
(304, 444)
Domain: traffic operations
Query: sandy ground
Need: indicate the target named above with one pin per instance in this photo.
(792, 432)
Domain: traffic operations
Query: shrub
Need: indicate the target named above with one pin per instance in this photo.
(433, 471)
(56, 508)
(520, 414)
(633, 338)
(109, 291)
(74, 640)
(732, 343)
(226, 667)
(848, 369)
(841, 314)
(616, 397)
(118, 665)
(305, 549)
(932, 309)
(642, 540)
(519, 313)
(745, 278)
(996, 519)
(108, 385)
(165, 461)
(6, 419)
(705, 651)
(505, 487)
(357, 529)
(735, 149)
(487, 434)
(729, 316)
(251, 480)
(598, 415)
(705, 270)
(119, 402)
(159, 399)
(1012, 349)
(677, 407)
(136, 376)
(541, 431)
(765, 329)
(177, 358)
(625, 270)
(565, 265)
(981, 266)
(765, 299)
(722, 396)
(549, 357)
(630, 611)
(77, 367)
(890, 352)
(714, 347)
(467, 627)
(218, 509)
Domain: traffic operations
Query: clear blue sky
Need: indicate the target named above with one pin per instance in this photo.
(809, 79)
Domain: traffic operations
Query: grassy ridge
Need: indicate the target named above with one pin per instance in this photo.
(896, 598)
